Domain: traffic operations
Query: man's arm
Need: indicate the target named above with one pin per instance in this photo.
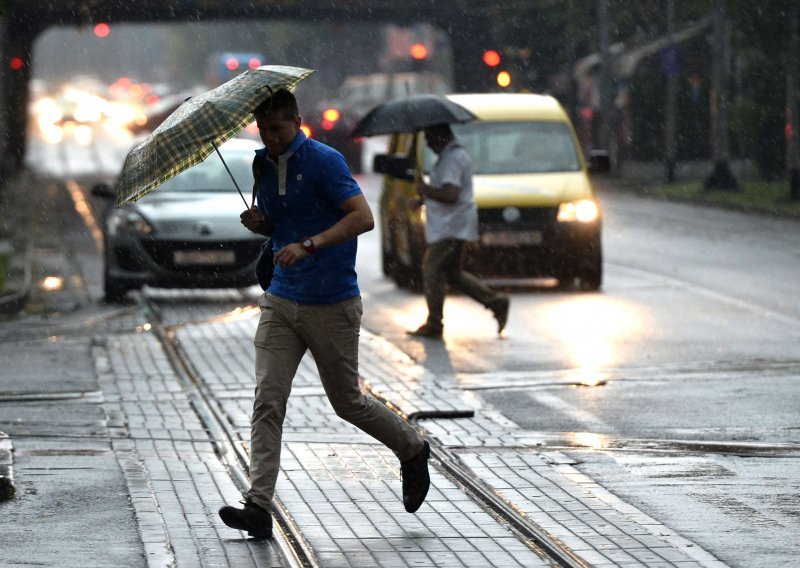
(357, 220)
(448, 193)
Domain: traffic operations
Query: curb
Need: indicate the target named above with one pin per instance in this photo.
(16, 212)
(7, 489)
(641, 189)
(12, 301)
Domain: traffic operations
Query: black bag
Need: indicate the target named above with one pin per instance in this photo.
(265, 264)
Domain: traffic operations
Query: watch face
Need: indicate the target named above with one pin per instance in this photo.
(307, 243)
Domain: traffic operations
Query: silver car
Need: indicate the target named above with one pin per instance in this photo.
(186, 233)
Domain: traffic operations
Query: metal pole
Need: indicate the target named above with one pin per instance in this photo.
(721, 176)
(672, 94)
(606, 83)
(792, 118)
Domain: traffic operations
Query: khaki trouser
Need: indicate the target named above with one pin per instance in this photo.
(286, 329)
(441, 266)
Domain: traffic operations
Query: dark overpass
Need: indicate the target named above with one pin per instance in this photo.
(467, 22)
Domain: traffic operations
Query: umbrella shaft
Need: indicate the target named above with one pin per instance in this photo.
(230, 174)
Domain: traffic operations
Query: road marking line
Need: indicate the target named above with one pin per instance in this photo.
(718, 296)
(85, 211)
(587, 419)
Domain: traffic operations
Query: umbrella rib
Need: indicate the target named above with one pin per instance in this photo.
(230, 174)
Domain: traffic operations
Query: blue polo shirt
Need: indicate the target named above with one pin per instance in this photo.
(301, 193)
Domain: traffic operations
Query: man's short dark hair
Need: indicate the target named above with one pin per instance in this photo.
(282, 101)
(440, 131)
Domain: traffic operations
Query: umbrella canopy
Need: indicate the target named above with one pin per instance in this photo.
(199, 126)
(410, 114)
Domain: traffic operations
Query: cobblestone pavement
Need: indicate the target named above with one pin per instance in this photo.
(176, 479)
(340, 487)
(343, 489)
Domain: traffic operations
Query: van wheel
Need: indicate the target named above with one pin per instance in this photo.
(115, 291)
(389, 262)
(592, 275)
(592, 280)
(566, 282)
(408, 278)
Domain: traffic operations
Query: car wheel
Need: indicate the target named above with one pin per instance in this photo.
(591, 276)
(115, 291)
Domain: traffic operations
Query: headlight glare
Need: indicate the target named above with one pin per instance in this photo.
(583, 211)
(128, 222)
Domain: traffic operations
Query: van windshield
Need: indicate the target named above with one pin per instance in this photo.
(514, 147)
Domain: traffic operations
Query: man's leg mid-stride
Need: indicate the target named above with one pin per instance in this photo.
(284, 331)
(331, 333)
(279, 350)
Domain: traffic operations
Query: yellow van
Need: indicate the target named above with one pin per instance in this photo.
(537, 212)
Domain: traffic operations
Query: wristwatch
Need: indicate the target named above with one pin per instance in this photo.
(308, 245)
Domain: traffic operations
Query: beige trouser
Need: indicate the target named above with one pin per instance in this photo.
(286, 329)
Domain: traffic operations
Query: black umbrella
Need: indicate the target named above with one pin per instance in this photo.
(410, 114)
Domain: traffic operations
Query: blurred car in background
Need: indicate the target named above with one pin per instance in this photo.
(537, 212)
(186, 233)
(333, 120)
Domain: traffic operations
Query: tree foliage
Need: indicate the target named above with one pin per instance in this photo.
(557, 33)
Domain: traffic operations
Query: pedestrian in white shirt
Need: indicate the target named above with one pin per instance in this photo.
(451, 221)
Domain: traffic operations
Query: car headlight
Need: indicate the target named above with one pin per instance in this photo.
(583, 211)
(122, 221)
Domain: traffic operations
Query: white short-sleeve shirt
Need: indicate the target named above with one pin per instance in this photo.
(457, 220)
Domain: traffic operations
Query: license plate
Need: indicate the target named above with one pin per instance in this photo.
(204, 257)
(511, 238)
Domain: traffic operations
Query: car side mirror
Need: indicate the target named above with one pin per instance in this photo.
(599, 161)
(401, 167)
(104, 190)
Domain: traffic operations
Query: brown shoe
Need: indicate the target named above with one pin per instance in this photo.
(500, 309)
(427, 330)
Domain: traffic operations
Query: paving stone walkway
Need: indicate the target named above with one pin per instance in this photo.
(343, 489)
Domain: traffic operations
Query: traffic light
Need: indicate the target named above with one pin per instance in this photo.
(491, 58)
(418, 51)
(504, 79)
(102, 30)
(419, 56)
(16, 63)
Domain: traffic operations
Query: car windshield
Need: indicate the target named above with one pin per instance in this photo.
(515, 147)
(211, 175)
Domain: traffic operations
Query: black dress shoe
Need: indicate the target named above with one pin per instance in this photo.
(252, 518)
(500, 311)
(416, 480)
(426, 330)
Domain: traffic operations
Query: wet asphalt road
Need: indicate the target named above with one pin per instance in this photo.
(692, 346)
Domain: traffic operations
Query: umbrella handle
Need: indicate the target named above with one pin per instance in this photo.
(230, 174)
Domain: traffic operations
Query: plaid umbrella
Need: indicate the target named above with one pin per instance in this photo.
(198, 127)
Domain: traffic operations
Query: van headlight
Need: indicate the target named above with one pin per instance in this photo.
(583, 211)
(122, 221)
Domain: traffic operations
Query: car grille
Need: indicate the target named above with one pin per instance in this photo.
(530, 218)
(163, 254)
